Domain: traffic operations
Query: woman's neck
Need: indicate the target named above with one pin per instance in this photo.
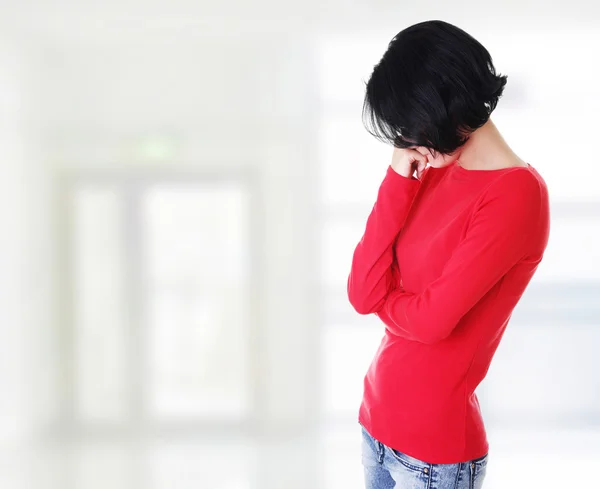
(486, 149)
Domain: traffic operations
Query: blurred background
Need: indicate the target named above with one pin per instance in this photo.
(181, 189)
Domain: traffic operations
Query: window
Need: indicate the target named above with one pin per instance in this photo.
(194, 289)
(159, 315)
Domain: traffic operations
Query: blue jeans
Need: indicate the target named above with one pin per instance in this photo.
(386, 468)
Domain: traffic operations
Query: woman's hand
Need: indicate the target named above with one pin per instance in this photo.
(405, 161)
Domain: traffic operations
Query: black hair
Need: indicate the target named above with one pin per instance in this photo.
(434, 85)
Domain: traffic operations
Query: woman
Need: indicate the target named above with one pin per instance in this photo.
(458, 229)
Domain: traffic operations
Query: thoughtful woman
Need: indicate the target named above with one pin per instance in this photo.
(458, 229)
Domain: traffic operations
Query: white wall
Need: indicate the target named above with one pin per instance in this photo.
(139, 89)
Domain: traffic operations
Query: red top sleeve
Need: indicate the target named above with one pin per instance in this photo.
(372, 277)
(502, 231)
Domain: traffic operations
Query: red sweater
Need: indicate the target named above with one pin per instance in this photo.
(443, 262)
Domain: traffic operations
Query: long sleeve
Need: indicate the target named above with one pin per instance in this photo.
(508, 224)
(372, 276)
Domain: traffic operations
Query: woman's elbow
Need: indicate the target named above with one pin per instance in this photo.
(362, 306)
(363, 303)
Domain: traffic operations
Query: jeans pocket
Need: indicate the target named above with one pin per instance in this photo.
(409, 462)
(407, 471)
(477, 471)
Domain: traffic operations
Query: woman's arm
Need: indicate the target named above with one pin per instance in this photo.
(371, 277)
(510, 222)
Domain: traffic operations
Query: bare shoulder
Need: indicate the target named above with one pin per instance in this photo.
(517, 162)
